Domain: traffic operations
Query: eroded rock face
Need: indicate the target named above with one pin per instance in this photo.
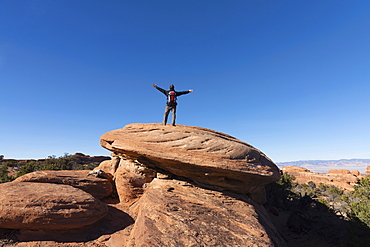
(109, 166)
(339, 172)
(176, 213)
(203, 155)
(129, 184)
(98, 187)
(340, 178)
(47, 206)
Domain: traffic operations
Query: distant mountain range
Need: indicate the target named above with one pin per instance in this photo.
(325, 165)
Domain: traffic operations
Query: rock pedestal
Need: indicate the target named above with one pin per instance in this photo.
(199, 154)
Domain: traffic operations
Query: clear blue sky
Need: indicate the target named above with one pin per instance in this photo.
(291, 78)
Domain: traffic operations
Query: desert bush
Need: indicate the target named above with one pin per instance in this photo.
(359, 201)
(322, 212)
(65, 162)
(4, 177)
(29, 167)
(280, 193)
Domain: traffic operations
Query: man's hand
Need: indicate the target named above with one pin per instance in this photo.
(154, 85)
(191, 90)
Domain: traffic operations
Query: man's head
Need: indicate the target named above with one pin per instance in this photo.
(172, 87)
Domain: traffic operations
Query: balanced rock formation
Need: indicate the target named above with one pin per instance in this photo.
(341, 178)
(172, 186)
(202, 155)
(47, 206)
(97, 187)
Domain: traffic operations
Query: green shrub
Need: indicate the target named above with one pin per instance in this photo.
(66, 162)
(29, 167)
(4, 177)
(323, 212)
(359, 201)
(280, 193)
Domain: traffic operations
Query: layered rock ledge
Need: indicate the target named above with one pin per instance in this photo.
(202, 155)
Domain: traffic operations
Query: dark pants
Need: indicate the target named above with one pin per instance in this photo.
(167, 111)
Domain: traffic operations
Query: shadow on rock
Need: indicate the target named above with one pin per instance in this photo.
(116, 220)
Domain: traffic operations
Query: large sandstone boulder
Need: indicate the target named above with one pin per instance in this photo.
(47, 206)
(203, 155)
(177, 213)
(98, 187)
(129, 185)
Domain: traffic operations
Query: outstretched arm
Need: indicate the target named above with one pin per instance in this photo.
(160, 89)
(184, 92)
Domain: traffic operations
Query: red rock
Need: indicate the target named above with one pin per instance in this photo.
(294, 170)
(98, 187)
(109, 166)
(340, 178)
(129, 186)
(176, 213)
(47, 206)
(339, 171)
(356, 173)
(203, 155)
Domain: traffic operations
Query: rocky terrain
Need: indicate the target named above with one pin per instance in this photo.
(323, 166)
(340, 178)
(163, 186)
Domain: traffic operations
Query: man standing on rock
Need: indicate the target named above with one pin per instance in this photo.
(171, 102)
